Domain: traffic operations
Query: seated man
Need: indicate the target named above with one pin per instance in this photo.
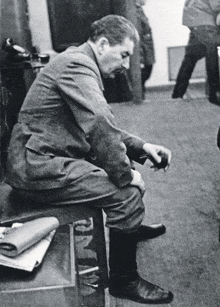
(67, 149)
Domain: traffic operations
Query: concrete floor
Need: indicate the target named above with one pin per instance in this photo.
(186, 260)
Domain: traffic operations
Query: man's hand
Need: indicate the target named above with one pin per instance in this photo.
(138, 181)
(158, 155)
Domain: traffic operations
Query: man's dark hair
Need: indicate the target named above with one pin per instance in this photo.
(115, 28)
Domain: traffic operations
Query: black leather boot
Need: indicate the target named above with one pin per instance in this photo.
(150, 232)
(140, 291)
(124, 280)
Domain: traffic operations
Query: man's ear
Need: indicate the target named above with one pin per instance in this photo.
(102, 44)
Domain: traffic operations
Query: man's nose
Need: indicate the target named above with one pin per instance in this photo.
(126, 63)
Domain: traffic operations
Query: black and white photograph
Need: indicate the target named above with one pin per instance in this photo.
(110, 153)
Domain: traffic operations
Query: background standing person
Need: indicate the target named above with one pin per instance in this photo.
(200, 16)
(67, 149)
(147, 54)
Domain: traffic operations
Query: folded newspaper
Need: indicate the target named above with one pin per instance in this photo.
(24, 245)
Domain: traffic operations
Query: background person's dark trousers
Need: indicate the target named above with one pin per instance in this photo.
(194, 52)
(210, 37)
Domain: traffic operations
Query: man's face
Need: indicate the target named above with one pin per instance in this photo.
(114, 59)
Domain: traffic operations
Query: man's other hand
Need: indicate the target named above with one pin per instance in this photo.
(138, 181)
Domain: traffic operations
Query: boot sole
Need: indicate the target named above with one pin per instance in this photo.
(142, 301)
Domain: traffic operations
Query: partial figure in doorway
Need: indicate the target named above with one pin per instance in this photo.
(147, 53)
(119, 88)
(200, 16)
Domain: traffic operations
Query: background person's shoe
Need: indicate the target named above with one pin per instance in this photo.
(215, 98)
(150, 232)
(175, 96)
(141, 291)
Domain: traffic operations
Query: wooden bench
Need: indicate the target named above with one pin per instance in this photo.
(57, 281)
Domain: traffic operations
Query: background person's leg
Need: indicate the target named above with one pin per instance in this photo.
(210, 37)
(194, 52)
(145, 75)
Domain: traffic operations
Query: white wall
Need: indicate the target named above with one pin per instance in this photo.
(39, 25)
(165, 18)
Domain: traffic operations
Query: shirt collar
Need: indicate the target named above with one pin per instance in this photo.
(88, 49)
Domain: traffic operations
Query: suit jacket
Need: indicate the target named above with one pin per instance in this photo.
(200, 12)
(66, 128)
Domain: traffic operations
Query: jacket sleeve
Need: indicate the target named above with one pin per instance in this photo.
(79, 85)
(215, 5)
(134, 146)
